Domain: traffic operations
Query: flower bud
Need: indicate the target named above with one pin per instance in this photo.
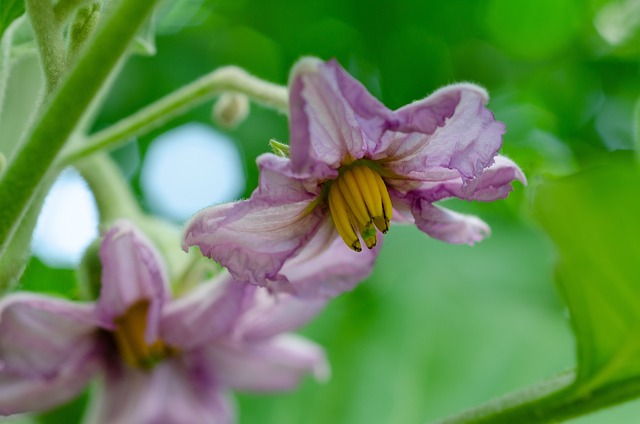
(230, 110)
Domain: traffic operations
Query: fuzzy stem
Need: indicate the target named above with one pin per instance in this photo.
(551, 401)
(64, 9)
(64, 111)
(49, 39)
(110, 190)
(225, 79)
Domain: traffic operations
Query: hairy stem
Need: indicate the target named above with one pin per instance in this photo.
(64, 110)
(49, 39)
(64, 9)
(221, 80)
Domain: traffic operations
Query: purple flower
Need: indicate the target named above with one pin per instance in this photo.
(162, 360)
(354, 164)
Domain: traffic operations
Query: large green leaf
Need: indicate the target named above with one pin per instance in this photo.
(9, 10)
(593, 217)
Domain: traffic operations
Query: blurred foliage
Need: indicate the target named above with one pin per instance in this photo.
(10, 10)
(437, 328)
(594, 222)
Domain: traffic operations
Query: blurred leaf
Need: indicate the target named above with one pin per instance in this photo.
(53, 281)
(9, 10)
(144, 43)
(618, 23)
(593, 219)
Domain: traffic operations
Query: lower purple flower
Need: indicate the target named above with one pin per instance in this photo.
(162, 360)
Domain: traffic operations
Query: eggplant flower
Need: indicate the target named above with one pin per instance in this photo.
(351, 167)
(162, 360)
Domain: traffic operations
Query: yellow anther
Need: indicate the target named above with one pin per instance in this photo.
(340, 215)
(349, 190)
(129, 337)
(387, 209)
(359, 203)
(369, 188)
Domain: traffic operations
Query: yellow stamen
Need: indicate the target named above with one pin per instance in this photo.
(129, 337)
(340, 216)
(355, 202)
(359, 203)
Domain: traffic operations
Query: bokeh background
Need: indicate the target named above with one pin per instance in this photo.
(437, 328)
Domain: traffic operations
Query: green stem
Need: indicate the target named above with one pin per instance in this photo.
(49, 39)
(64, 9)
(552, 401)
(111, 191)
(64, 111)
(221, 80)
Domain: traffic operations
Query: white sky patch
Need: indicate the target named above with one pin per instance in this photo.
(188, 168)
(67, 224)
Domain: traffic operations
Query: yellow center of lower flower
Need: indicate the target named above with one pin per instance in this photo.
(359, 203)
(129, 337)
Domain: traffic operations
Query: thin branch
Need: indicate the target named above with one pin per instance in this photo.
(225, 79)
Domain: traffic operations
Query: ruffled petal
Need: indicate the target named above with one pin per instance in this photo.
(449, 226)
(48, 352)
(450, 129)
(253, 238)
(177, 391)
(205, 313)
(280, 184)
(332, 117)
(326, 267)
(274, 365)
(268, 314)
(493, 184)
(132, 270)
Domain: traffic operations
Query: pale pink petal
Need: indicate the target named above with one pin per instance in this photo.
(176, 391)
(449, 130)
(205, 313)
(48, 351)
(267, 314)
(449, 226)
(132, 270)
(493, 184)
(273, 365)
(280, 184)
(326, 267)
(253, 238)
(332, 117)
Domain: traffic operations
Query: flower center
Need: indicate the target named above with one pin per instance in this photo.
(359, 203)
(129, 337)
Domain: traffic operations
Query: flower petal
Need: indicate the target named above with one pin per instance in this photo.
(274, 365)
(326, 267)
(132, 270)
(332, 117)
(449, 226)
(205, 313)
(176, 391)
(450, 129)
(48, 351)
(493, 184)
(268, 314)
(253, 238)
(280, 184)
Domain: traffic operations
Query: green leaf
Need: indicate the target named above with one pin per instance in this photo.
(9, 10)
(593, 219)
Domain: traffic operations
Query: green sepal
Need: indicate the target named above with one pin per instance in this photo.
(279, 149)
